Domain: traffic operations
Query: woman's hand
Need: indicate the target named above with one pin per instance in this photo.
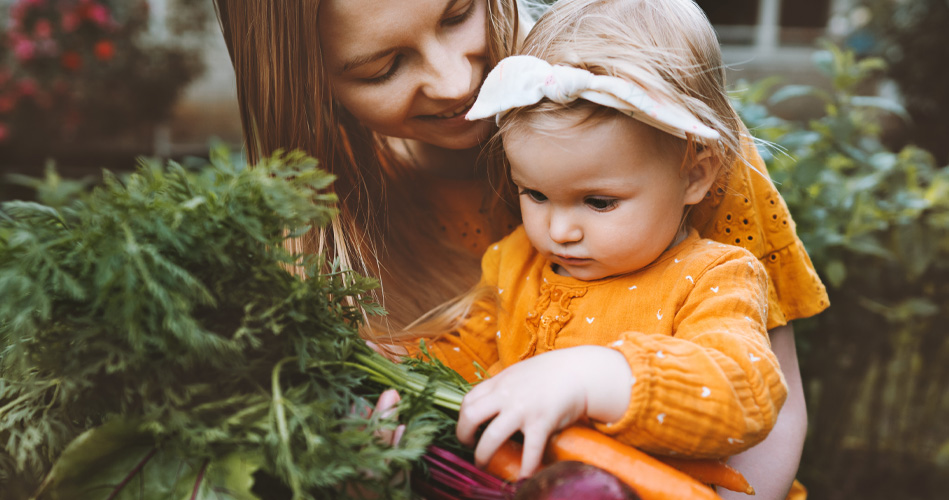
(542, 395)
(386, 409)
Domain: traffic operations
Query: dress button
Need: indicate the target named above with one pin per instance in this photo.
(555, 295)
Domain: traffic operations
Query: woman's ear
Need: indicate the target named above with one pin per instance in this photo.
(701, 175)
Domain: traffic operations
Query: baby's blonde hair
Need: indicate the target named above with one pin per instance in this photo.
(667, 47)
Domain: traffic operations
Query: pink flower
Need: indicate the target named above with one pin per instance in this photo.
(43, 29)
(24, 49)
(70, 21)
(99, 14)
(27, 87)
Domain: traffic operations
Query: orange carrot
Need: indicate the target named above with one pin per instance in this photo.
(506, 462)
(650, 478)
(711, 472)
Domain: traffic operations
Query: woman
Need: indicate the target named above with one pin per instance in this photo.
(377, 91)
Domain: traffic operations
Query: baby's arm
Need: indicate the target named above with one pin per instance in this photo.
(714, 388)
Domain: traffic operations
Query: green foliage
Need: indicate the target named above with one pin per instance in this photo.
(151, 337)
(876, 224)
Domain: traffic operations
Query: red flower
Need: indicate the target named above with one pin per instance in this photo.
(6, 103)
(99, 14)
(27, 86)
(24, 49)
(70, 22)
(43, 29)
(71, 60)
(104, 50)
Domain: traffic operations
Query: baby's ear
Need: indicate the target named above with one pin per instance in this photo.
(701, 175)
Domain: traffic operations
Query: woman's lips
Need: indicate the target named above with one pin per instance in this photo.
(460, 111)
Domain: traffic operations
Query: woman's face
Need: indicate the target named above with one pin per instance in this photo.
(408, 69)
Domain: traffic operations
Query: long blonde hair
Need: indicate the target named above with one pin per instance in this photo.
(384, 228)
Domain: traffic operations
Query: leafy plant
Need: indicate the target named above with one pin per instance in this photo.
(153, 342)
(876, 224)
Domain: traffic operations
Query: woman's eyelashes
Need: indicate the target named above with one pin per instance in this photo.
(454, 20)
(389, 72)
(393, 68)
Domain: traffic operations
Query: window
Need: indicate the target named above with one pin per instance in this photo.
(768, 23)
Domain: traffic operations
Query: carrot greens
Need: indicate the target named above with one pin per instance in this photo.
(153, 344)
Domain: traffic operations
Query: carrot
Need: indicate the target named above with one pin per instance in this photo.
(711, 472)
(506, 462)
(650, 478)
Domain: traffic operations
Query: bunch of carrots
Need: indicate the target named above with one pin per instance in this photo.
(651, 478)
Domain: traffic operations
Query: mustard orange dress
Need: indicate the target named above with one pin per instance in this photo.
(691, 325)
(743, 209)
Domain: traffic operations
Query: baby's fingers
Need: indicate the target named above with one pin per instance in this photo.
(498, 431)
(533, 452)
(474, 412)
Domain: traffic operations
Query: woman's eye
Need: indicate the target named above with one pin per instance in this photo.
(390, 72)
(460, 18)
(537, 196)
(601, 204)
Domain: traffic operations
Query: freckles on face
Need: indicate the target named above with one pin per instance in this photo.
(408, 69)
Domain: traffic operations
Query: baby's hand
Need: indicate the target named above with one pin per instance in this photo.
(542, 395)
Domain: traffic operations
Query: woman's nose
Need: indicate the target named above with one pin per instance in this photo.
(449, 73)
(564, 229)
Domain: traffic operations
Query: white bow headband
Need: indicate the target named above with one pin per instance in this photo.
(519, 81)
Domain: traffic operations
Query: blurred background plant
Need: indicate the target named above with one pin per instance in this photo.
(876, 224)
(913, 38)
(77, 72)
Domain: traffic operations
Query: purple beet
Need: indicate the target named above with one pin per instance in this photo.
(574, 481)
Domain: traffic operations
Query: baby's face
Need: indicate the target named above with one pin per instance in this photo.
(600, 199)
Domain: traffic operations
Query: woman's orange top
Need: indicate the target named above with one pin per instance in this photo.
(744, 209)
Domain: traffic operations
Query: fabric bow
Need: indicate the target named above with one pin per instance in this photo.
(519, 81)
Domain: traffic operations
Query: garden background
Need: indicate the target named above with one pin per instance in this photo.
(852, 94)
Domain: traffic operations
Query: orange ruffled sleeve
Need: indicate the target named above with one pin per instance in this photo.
(713, 389)
(745, 209)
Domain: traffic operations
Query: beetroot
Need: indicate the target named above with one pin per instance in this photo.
(574, 481)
